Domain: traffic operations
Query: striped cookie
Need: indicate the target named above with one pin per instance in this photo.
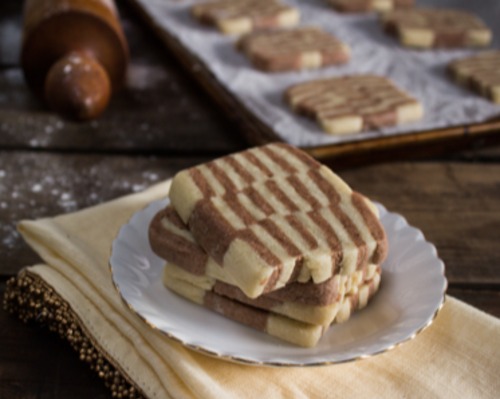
(284, 328)
(369, 5)
(359, 291)
(481, 73)
(294, 49)
(243, 16)
(272, 212)
(351, 104)
(171, 240)
(437, 27)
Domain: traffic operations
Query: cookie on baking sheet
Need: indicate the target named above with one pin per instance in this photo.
(480, 72)
(437, 27)
(293, 49)
(370, 5)
(351, 104)
(243, 16)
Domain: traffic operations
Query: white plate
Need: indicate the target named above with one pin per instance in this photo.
(411, 294)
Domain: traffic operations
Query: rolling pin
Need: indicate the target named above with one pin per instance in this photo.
(74, 54)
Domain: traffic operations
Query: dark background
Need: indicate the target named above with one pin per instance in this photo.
(162, 122)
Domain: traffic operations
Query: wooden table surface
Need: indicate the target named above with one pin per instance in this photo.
(160, 123)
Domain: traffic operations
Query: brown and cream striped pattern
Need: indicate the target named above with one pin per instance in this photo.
(242, 16)
(172, 241)
(286, 215)
(368, 101)
(480, 72)
(437, 27)
(360, 286)
(293, 49)
(369, 5)
(299, 324)
(282, 327)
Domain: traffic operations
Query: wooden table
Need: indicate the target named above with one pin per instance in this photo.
(160, 123)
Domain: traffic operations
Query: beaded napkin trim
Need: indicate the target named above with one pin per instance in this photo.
(33, 300)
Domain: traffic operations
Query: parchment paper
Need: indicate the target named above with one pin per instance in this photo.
(421, 73)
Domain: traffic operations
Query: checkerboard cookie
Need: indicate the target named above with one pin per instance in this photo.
(284, 328)
(272, 212)
(369, 5)
(481, 73)
(293, 49)
(437, 27)
(171, 240)
(356, 292)
(243, 16)
(351, 104)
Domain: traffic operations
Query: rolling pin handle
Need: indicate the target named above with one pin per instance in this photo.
(77, 86)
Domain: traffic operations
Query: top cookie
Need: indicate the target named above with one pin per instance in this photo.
(243, 16)
(294, 49)
(437, 27)
(369, 5)
(265, 211)
(481, 72)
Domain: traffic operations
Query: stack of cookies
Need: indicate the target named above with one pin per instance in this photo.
(270, 238)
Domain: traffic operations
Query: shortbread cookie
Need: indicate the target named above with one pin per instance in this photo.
(481, 73)
(170, 239)
(272, 212)
(243, 16)
(293, 331)
(369, 5)
(293, 49)
(358, 291)
(437, 27)
(351, 104)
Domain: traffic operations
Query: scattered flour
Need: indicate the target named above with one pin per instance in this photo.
(36, 189)
(143, 77)
(9, 235)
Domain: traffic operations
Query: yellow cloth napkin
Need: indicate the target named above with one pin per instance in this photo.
(457, 357)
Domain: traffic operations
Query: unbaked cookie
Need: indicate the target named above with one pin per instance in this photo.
(243, 16)
(437, 27)
(481, 73)
(351, 104)
(294, 49)
(369, 5)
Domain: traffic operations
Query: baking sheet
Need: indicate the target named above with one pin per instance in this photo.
(421, 73)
